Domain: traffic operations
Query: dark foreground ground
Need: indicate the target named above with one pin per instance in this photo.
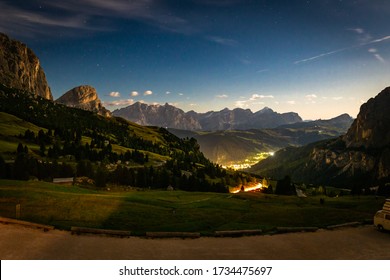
(18, 242)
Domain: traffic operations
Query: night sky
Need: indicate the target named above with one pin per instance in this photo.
(319, 58)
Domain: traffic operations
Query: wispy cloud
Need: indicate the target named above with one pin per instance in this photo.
(376, 54)
(115, 94)
(320, 56)
(257, 96)
(364, 42)
(262, 70)
(222, 41)
(311, 98)
(134, 93)
(291, 102)
(222, 96)
(148, 92)
(86, 15)
(337, 98)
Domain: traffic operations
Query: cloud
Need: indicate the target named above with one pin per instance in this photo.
(115, 94)
(134, 93)
(120, 103)
(291, 102)
(86, 15)
(376, 54)
(222, 96)
(357, 30)
(379, 40)
(310, 98)
(181, 94)
(222, 41)
(253, 100)
(148, 92)
(257, 96)
(320, 56)
(337, 98)
(243, 104)
(364, 42)
(167, 92)
(193, 104)
(262, 70)
(379, 57)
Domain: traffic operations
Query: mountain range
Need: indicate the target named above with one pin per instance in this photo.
(171, 117)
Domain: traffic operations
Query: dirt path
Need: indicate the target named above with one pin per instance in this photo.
(17, 242)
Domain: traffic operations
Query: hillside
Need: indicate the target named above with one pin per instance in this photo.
(360, 158)
(59, 141)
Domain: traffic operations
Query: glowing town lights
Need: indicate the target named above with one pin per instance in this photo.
(249, 188)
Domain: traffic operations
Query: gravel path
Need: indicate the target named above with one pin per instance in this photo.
(18, 242)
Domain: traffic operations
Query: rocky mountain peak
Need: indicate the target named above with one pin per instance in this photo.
(371, 128)
(21, 68)
(84, 97)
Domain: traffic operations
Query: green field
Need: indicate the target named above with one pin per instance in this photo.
(141, 211)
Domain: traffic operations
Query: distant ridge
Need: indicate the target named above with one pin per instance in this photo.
(226, 119)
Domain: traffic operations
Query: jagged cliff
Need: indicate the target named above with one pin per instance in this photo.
(84, 97)
(20, 68)
(359, 158)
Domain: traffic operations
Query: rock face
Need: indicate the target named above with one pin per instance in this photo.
(172, 117)
(20, 68)
(371, 129)
(359, 158)
(84, 97)
(157, 115)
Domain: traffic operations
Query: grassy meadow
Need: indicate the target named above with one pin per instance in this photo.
(141, 211)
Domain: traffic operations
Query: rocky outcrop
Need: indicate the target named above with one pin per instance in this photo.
(84, 97)
(158, 115)
(371, 129)
(20, 68)
(172, 117)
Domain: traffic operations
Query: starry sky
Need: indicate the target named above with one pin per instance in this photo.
(319, 58)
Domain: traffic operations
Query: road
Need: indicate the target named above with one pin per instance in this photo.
(22, 243)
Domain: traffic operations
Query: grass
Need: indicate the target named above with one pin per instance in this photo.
(66, 206)
(13, 126)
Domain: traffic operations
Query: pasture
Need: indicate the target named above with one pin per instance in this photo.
(152, 210)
